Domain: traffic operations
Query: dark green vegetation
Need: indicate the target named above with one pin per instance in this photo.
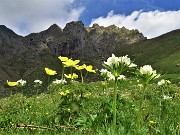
(86, 108)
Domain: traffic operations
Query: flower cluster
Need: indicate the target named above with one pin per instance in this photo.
(147, 74)
(64, 93)
(38, 82)
(19, 83)
(107, 75)
(117, 65)
(163, 82)
(59, 81)
(66, 62)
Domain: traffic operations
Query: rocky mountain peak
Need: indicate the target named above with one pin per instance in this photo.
(6, 32)
(91, 44)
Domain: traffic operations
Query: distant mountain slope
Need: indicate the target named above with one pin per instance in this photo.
(23, 56)
(162, 52)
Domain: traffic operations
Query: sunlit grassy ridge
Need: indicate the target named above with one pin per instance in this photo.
(163, 52)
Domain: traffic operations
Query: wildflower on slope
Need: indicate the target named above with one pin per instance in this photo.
(90, 69)
(71, 76)
(80, 67)
(117, 65)
(21, 83)
(147, 74)
(59, 81)
(166, 97)
(71, 63)
(163, 82)
(38, 82)
(50, 71)
(11, 83)
(63, 59)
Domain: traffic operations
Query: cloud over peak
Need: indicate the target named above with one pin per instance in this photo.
(151, 23)
(27, 16)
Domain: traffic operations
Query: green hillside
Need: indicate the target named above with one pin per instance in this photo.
(163, 52)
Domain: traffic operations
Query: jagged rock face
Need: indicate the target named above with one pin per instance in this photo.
(21, 54)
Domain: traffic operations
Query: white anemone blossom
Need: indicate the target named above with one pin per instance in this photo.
(38, 81)
(104, 72)
(112, 61)
(166, 97)
(163, 82)
(62, 81)
(147, 70)
(119, 60)
(121, 77)
(21, 82)
(127, 61)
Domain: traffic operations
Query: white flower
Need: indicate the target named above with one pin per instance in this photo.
(59, 81)
(163, 82)
(121, 77)
(112, 61)
(127, 61)
(166, 97)
(110, 76)
(147, 69)
(38, 81)
(132, 65)
(104, 72)
(21, 82)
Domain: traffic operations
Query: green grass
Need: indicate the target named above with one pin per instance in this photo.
(161, 52)
(87, 109)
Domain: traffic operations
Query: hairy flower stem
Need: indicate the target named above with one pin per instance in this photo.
(62, 75)
(114, 105)
(82, 79)
(140, 112)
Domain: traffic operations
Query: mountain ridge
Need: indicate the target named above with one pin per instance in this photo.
(20, 56)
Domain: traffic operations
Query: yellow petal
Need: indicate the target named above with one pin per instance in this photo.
(11, 83)
(63, 58)
(89, 69)
(50, 71)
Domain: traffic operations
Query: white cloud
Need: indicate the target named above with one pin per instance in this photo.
(151, 24)
(27, 16)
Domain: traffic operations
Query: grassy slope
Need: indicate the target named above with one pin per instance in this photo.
(163, 52)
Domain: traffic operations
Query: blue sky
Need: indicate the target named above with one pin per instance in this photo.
(97, 8)
(151, 17)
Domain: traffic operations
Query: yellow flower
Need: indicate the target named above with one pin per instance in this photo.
(152, 122)
(50, 71)
(67, 91)
(71, 63)
(80, 67)
(11, 83)
(63, 58)
(62, 93)
(89, 69)
(71, 76)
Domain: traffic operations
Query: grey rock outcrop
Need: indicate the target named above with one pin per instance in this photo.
(19, 55)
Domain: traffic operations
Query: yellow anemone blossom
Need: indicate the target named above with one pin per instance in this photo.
(50, 71)
(80, 67)
(71, 76)
(63, 58)
(89, 69)
(11, 83)
(71, 63)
